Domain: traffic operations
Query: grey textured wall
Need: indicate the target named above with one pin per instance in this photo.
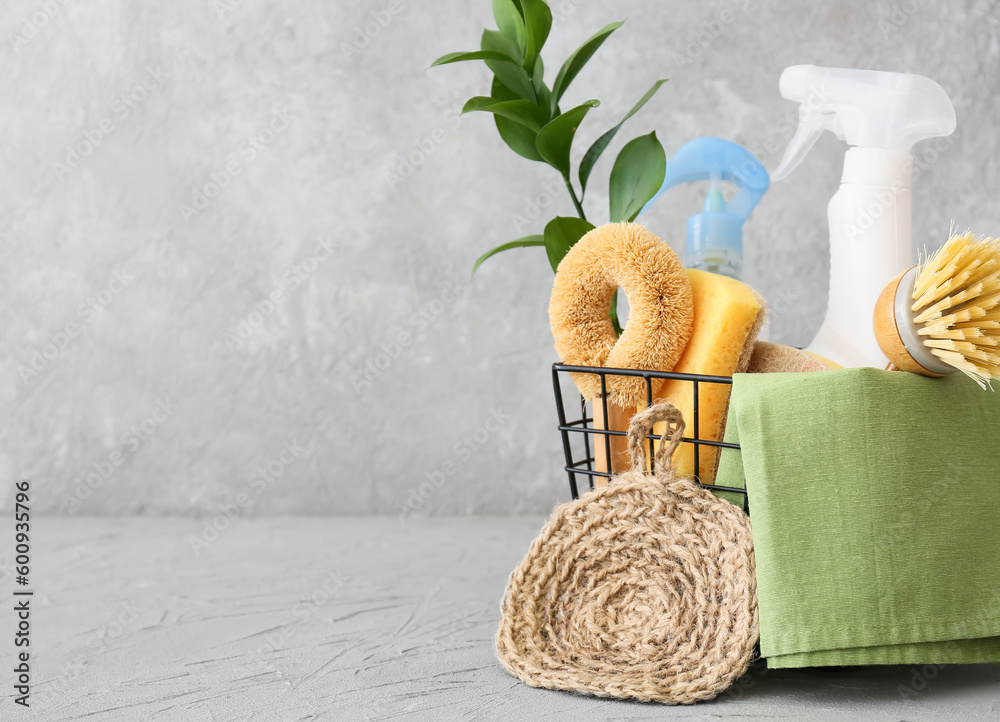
(166, 338)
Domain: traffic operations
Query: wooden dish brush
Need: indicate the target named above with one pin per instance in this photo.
(943, 315)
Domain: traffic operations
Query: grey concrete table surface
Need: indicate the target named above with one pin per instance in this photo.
(348, 618)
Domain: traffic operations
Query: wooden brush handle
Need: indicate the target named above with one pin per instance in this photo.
(618, 420)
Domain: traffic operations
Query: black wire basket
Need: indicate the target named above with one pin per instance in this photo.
(580, 437)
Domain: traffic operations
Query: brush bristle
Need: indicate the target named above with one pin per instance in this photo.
(956, 305)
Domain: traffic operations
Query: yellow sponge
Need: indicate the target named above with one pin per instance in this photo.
(727, 318)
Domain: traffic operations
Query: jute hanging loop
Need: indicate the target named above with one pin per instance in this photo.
(642, 589)
(640, 426)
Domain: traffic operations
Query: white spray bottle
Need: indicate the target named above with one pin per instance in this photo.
(882, 115)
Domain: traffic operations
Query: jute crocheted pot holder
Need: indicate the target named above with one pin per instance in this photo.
(643, 589)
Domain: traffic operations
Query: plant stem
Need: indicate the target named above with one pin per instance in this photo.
(614, 314)
(572, 194)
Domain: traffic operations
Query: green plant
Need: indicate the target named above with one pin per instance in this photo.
(529, 120)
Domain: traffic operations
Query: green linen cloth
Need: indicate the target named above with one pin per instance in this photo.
(875, 503)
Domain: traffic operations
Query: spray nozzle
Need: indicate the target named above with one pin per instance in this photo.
(715, 202)
(716, 234)
(868, 108)
(811, 126)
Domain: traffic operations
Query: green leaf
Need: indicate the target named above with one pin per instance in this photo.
(543, 102)
(542, 91)
(574, 64)
(510, 22)
(511, 74)
(561, 233)
(519, 243)
(537, 23)
(520, 111)
(518, 138)
(556, 137)
(474, 55)
(590, 159)
(538, 75)
(495, 40)
(636, 176)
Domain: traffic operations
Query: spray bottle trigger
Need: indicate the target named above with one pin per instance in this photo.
(812, 123)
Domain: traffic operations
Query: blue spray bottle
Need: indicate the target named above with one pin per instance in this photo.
(715, 236)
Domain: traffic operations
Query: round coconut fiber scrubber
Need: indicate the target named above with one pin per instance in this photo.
(661, 314)
(642, 589)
